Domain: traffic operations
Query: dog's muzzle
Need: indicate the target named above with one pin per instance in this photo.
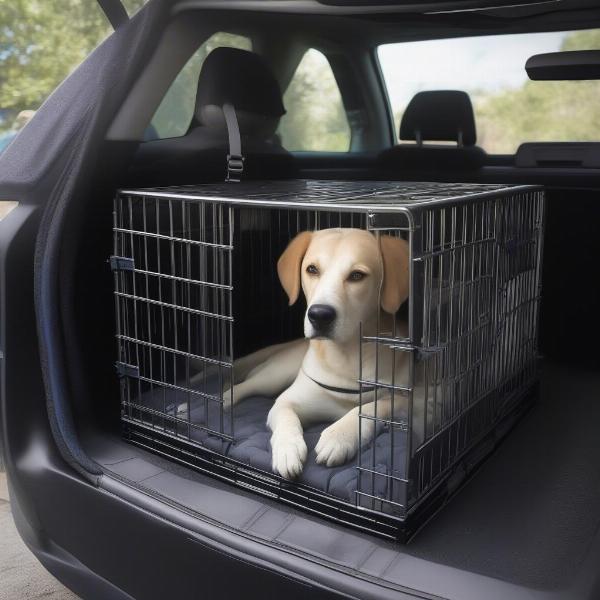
(321, 317)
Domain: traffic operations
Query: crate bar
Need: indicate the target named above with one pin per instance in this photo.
(301, 199)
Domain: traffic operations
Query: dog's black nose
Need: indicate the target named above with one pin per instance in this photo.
(321, 315)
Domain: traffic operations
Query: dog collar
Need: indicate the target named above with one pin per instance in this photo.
(340, 390)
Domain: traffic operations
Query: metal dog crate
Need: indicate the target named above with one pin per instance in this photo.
(196, 287)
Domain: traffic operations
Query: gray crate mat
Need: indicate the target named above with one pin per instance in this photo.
(252, 444)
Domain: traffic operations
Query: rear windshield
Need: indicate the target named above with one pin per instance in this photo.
(509, 108)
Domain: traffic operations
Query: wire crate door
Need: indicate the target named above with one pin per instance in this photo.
(173, 294)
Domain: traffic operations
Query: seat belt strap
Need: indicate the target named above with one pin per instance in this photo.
(235, 159)
(115, 12)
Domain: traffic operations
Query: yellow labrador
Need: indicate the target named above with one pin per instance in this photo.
(349, 277)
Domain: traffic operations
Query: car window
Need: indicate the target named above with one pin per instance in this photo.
(41, 43)
(315, 118)
(174, 115)
(509, 108)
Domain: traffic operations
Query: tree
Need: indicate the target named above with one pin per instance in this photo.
(315, 117)
(41, 42)
(542, 110)
(537, 110)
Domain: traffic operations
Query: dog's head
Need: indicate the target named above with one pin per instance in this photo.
(346, 276)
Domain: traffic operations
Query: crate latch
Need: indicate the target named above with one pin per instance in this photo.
(121, 263)
(126, 370)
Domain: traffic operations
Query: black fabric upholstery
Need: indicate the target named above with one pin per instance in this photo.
(432, 158)
(201, 157)
(241, 78)
(443, 115)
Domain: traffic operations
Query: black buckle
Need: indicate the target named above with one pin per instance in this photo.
(235, 167)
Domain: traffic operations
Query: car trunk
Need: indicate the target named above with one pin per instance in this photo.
(527, 520)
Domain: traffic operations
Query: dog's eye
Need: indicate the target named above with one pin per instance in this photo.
(312, 270)
(356, 276)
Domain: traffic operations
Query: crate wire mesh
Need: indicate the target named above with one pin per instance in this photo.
(195, 283)
(174, 310)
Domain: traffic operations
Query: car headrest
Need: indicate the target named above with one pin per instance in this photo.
(244, 80)
(444, 115)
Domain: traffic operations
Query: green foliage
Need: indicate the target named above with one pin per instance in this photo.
(588, 39)
(541, 110)
(315, 118)
(41, 42)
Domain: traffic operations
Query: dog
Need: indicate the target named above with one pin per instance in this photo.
(351, 280)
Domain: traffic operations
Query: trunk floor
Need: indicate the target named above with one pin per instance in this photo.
(528, 518)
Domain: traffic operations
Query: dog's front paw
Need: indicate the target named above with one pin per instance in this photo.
(228, 397)
(181, 410)
(289, 454)
(337, 444)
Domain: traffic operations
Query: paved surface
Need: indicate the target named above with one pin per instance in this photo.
(5, 207)
(21, 575)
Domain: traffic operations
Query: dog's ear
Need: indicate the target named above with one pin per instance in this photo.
(394, 290)
(288, 265)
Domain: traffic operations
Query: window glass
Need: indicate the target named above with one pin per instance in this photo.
(315, 118)
(174, 115)
(509, 108)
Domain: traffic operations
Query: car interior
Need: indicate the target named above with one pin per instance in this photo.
(524, 525)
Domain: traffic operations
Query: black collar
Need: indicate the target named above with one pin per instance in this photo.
(340, 390)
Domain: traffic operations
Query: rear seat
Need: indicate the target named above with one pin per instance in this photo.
(437, 116)
(245, 80)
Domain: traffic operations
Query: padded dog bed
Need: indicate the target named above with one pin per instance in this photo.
(385, 455)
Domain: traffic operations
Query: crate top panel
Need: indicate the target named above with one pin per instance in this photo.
(376, 196)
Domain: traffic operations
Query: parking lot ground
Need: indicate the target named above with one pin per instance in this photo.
(21, 575)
